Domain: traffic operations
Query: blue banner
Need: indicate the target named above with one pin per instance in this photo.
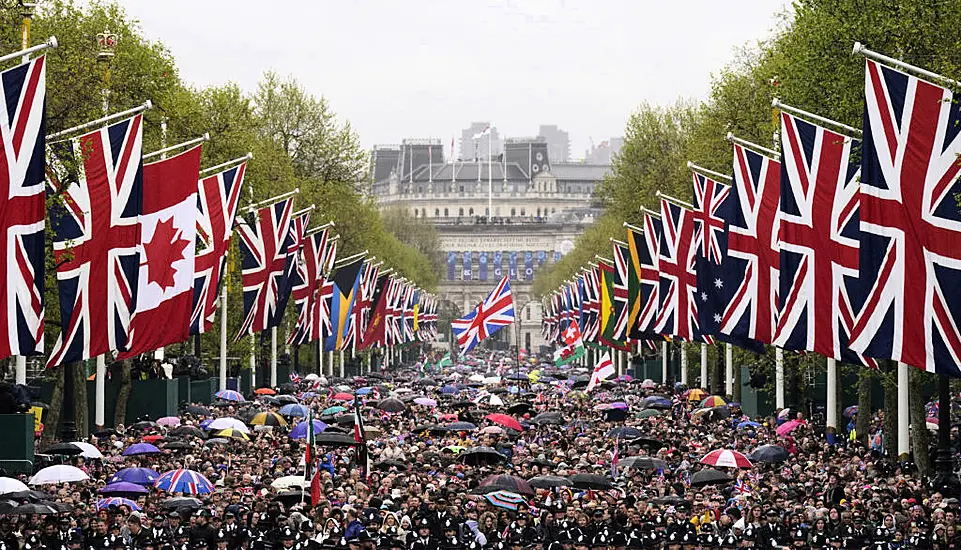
(498, 265)
(528, 265)
(451, 263)
(512, 264)
(482, 263)
(467, 266)
(557, 256)
(541, 257)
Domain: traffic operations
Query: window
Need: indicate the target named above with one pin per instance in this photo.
(423, 212)
(461, 188)
(445, 213)
(553, 210)
(437, 212)
(528, 313)
(523, 211)
(460, 212)
(513, 211)
(487, 211)
(415, 212)
(538, 212)
(420, 189)
(497, 210)
(470, 212)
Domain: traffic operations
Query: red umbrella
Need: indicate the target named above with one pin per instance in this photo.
(509, 483)
(507, 421)
(726, 458)
(342, 397)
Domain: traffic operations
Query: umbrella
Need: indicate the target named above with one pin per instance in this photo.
(88, 450)
(141, 449)
(122, 488)
(504, 499)
(227, 423)
(648, 413)
(748, 424)
(494, 430)
(448, 390)
(190, 431)
(364, 391)
(299, 431)
(11, 485)
(769, 453)
(425, 402)
(784, 413)
(615, 415)
(548, 418)
(182, 503)
(290, 498)
(140, 476)
(184, 481)
(118, 502)
(216, 441)
(197, 410)
(65, 449)
(294, 409)
(476, 456)
(330, 411)
(177, 446)
(230, 395)
(425, 382)
(28, 496)
(509, 483)
(508, 422)
(169, 421)
(648, 384)
(286, 482)
(709, 476)
(342, 396)
(642, 463)
(335, 440)
(231, 433)
(33, 508)
(713, 401)
(655, 402)
(392, 405)
(143, 426)
(287, 399)
(387, 464)
(495, 401)
(268, 419)
(265, 391)
(726, 458)
(625, 432)
(849, 412)
(647, 443)
(591, 481)
(461, 404)
(548, 482)
(459, 427)
(788, 427)
(519, 408)
(61, 473)
(696, 394)
(152, 438)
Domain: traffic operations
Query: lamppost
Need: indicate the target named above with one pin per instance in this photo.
(107, 41)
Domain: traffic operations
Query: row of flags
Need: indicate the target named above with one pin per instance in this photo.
(835, 244)
(140, 248)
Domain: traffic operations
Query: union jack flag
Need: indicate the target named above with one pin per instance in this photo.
(819, 238)
(751, 266)
(306, 288)
(393, 316)
(677, 313)
(22, 163)
(96, 236)
(263, 250)
(491, 315)
(622, 306)
(650, 278)
(362, 305)
(216, 209)
(407, 325)
(910, 263)
(295, 243)
(591, 305)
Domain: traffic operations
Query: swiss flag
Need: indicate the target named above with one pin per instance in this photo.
(572, 335)
(168, 231)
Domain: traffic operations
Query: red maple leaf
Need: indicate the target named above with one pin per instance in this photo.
(165, 248)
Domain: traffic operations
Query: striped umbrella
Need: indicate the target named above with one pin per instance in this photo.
(268, 419)
(184, 481)
(231, 433)
(713, 401)
(504, 499)
(118, 502)
(726, 458)
(229, 395)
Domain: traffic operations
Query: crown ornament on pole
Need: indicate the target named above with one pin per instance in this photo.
(108, 43)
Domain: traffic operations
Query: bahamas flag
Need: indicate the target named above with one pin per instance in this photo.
(346, 287)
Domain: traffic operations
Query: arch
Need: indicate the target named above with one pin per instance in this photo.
(437, 212)
(513, 211)
(460, 211)
(415, 212)
(445, 213)
(470, 211)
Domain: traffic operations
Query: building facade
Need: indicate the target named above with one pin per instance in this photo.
(558, 142)
(510, 216)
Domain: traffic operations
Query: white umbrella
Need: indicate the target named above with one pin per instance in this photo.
(496, 401)
(60, 473)
(89, 451)
(10, 485)
(311, 377)
(476, 378)
(492, 380)
(286, 482)
(227, 423)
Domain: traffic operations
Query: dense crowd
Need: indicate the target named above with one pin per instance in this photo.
(627, 465)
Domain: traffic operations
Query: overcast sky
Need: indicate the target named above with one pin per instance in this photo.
(427, 68)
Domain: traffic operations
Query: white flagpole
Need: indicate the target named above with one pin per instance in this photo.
(50, 43)
(273, 357)
(729, 368)
(490, 180)
(223, 337)
(704, 366)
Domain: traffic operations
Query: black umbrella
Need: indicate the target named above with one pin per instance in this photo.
(67, 449)
(646, 442)
(671, 500)
(392, 405)
(476, 456)
(335, 440)
(625, 432)
(197, 410)
(615, 415)
(548, 418)
(498, 389)
(462, 404)
(182, 503)
(769, 453)
(425, 382)
(389, 463)
(375, 375)
(286, 399)
(458, 427)
(269, 399)
(287, 388)
(519, 408)
(591, 481)
(643, 463)
(485, 489)
(549, 482)
(105, 433)
(144, 425)
(27, 496)
(34, 508)
(289, 498)
(518, 377)
(423, 428)
(709, 476)
(190, 431)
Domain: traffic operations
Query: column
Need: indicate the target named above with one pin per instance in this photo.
(253, 363)
(341, 363)
(831, 425)
(904, 439)
(704, 383)
(683, 364)
(729, 370)
(779, 378)
(20, 369)
(100, 387)
(664, 362)
(330, 363)
(273, 357)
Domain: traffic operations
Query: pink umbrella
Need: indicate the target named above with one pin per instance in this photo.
(726, 458)
(788, 427)
(169, 421)
(425, 401)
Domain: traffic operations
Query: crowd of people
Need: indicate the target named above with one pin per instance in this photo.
(476, 457)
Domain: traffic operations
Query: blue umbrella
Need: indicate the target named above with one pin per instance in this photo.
(118, 502)
(448, 389)
(140, 476)
(124, 488)
(459, 427)
(748, 424)
(625, 432)
(364, 391)
(300, 430)
(229, 395)
(184, 481)
(294, 409)
(140, 449)
(336, 409)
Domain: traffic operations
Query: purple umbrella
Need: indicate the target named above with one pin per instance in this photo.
(169, 421)
(123, 488)
(425, 402)
(300, 430)
(141, 449)
(140, 476)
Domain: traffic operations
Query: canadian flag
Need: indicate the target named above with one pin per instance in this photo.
(603, 370)
(168, 231)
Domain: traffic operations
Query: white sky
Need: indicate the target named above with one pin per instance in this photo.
(427, 68)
